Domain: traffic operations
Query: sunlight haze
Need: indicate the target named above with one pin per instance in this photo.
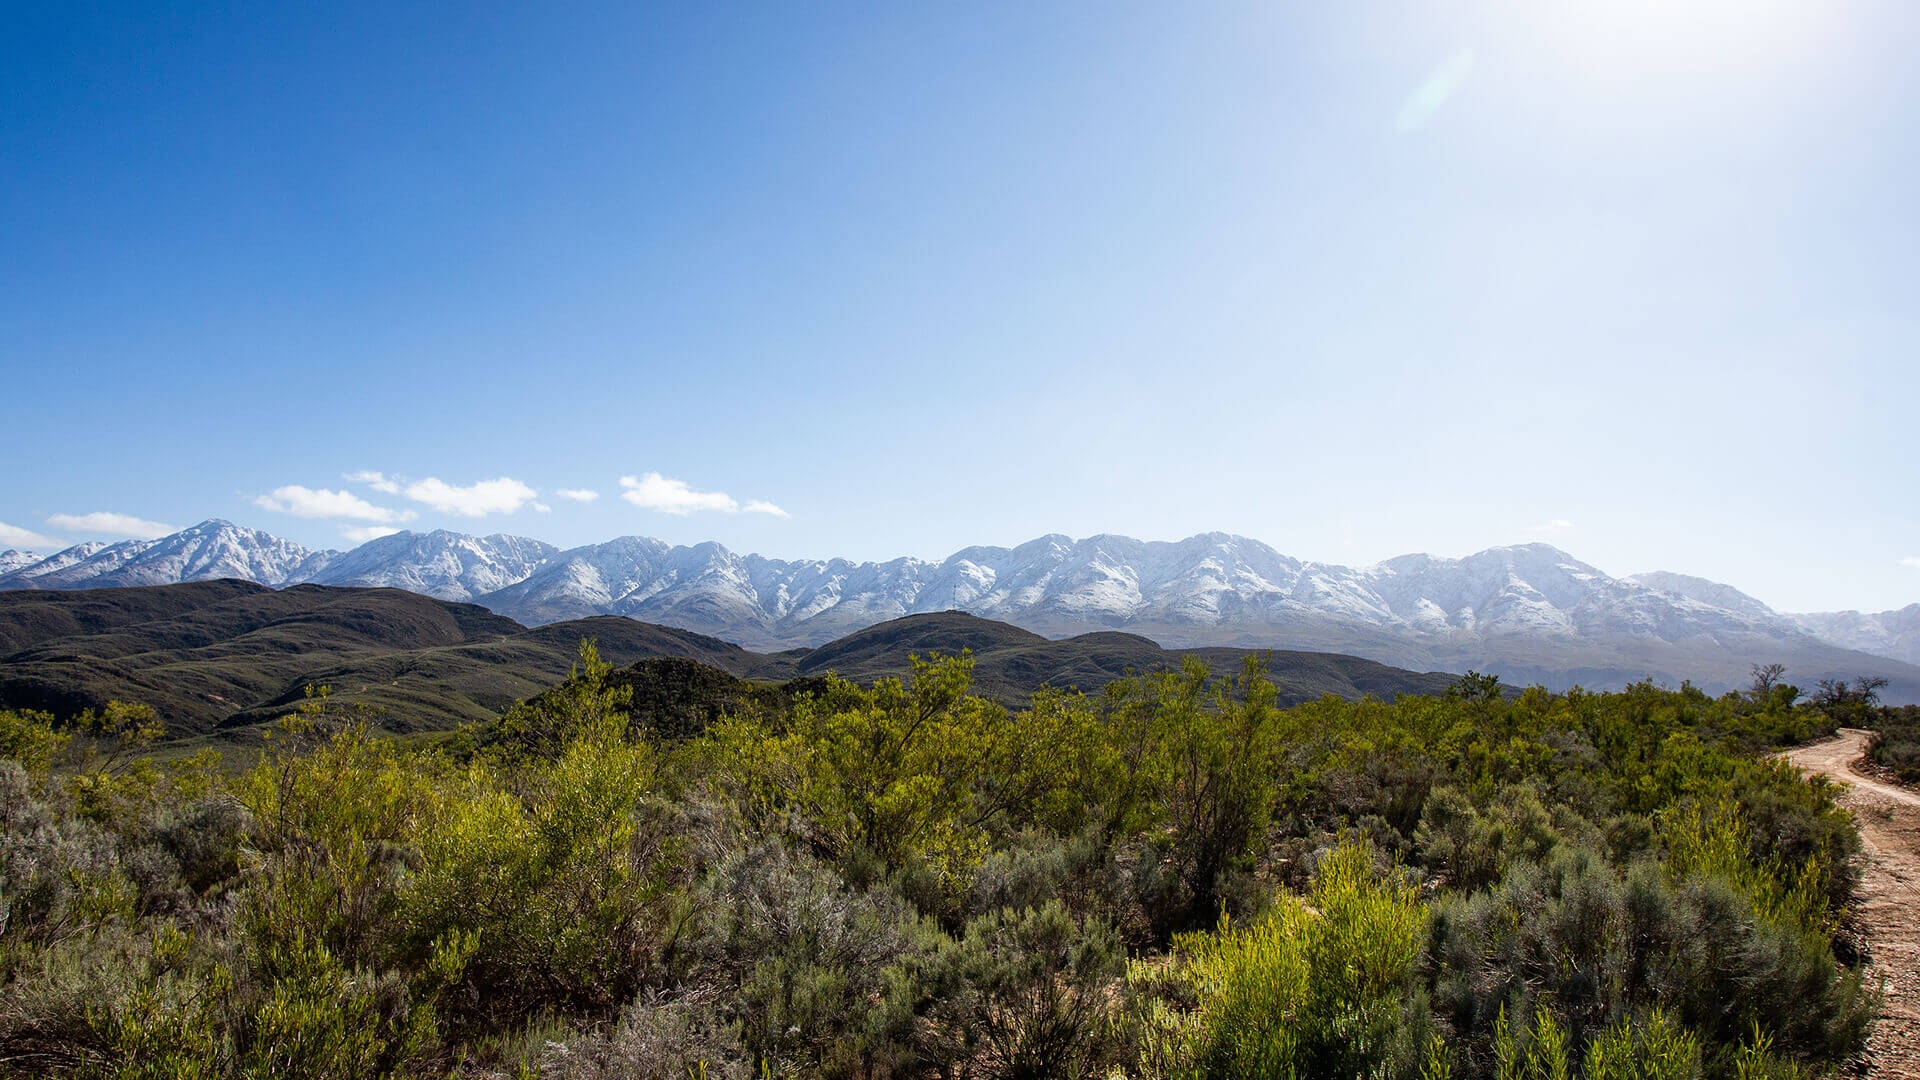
(1636, 280)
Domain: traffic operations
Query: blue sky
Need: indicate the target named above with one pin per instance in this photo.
(1638, 279)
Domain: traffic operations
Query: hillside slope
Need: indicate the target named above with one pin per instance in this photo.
(228, 654)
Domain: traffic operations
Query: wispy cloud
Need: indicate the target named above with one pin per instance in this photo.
(1432, 94)
(320, 503)
(1548, 529)
(13, 536)
(503, 495)
(380, 482)
(656, 492)
(360, 534)
(1911, 560)
(582, 495)
(111, 524)
(652, 491)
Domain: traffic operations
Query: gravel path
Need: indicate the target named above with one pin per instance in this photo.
(1889, 896)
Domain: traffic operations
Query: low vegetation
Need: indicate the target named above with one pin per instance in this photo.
(1177, 878)
(1896, 741)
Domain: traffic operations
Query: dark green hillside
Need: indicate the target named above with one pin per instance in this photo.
(29, 617)
(1011, 663)
(205, 652)
(225, 656)
(116, 623)
(675, 698)
(1305, 676)
(618, 636)
(222, 655)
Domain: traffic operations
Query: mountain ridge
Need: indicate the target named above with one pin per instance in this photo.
(1528, 611)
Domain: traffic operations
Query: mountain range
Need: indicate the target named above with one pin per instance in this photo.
(1531, 613)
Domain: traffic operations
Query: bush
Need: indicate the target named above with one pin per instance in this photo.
(1024, 996)
(814, 975)
(1655, 1049)
(1896, 742)
(904, 881)
(657, 1038)
(1593, 945)
(1317, 988)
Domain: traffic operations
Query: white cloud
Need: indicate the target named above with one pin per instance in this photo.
(320, 503)
(1548, 529)
(577, 494)
(360, 534)
(1911, 560)
(500, 496)
(543, 508)
(380, 482)
(13, 536)
(1433, 92)
(105, 521)
(656, 492)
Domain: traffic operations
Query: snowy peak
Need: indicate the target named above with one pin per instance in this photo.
(208, 551)
(1894, 634)
(26, 577)
(1706, 592)
(11, 560)
(442, 564)
(1527, 589)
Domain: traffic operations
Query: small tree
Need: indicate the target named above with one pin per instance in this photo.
(1844, 701)
(1765, 678)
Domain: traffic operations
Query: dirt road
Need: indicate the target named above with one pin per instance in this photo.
(1889, 821)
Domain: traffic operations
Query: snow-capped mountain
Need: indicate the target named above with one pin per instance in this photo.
(11, 560)
(1530, 613)
(205, 552)
(442, 564)
(26, 576)
(1707, 592)
(1894, 634)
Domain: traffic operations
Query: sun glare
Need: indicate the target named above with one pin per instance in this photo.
(1631, 37)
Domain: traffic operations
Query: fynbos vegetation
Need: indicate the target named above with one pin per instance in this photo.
(1177, 878)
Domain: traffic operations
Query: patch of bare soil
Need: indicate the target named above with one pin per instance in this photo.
(1888, 818)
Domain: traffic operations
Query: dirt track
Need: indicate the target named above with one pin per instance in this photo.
(1889, 821)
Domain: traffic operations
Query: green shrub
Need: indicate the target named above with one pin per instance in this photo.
(28, 737)
(817, 977)
(1597, 945)
(1025, 996)
(1316, 988)
(905, 881)
(1657, 1049)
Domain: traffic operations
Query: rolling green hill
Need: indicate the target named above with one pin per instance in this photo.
(1011, 663)
(226, 656)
